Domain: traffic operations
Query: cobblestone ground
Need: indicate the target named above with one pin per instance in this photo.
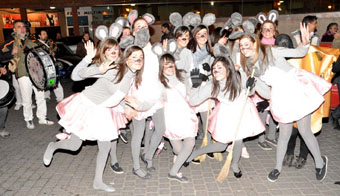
(22, 171)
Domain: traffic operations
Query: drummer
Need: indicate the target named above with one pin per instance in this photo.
(50, 47)
(3, 110)
(14, 49)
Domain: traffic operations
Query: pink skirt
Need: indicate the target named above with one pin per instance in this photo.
(226, 116)
(80, 116)
(298, 95)
(180, 118)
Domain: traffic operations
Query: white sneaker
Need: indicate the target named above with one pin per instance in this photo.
(17, 107)
(245, 153)
(29, 124)
(46, 122)
(4, 134)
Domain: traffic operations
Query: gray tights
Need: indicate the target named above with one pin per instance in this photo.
(183, 150)
(155, 138)
(74, 143)
(219, 147)
(307, 135)
(271, 129)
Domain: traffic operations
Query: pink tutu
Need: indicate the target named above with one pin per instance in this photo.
(298, 95)
(80, 116)
(180, 118)
(226, 115)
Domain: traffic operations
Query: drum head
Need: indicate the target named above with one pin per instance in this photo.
(4, 88)
(40, 68)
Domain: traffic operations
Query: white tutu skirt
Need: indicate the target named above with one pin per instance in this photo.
(298, 95)
(80, 116)
(180, 118)
(225, 117)
(142, 94)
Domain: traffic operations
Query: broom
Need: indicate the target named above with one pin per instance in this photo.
(225, 169)
(201, 158)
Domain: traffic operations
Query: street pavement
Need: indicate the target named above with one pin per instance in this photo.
(22, 171)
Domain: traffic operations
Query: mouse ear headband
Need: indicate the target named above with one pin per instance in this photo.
(103, 33)
(171, 48)
(248, 27)
(273, 15)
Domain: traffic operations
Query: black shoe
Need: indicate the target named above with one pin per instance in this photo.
(264, 145)
(288, 160)
(123, 137)
(179, 177)
(273, 175)
(117, 169)
(300, 162)
(147, 175)
(186, 164)
(210, 155)
(238, 174)
(196, 162)
(322, 172)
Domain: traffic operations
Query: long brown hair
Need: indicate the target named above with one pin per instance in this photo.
(99, 58)
(122, 66)
(193, 44)
(161, 76)
(264, 62)
(233, 79)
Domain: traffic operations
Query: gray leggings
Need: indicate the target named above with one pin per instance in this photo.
(271, 129)
(307, 135)
(74, 143)
(204, 124)
(137, 136)
(219, 147)
(183, 150)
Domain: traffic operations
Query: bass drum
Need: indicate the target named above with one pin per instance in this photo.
(41, 69)
(7, 93)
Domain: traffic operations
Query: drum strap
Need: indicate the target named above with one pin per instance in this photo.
(13, 64)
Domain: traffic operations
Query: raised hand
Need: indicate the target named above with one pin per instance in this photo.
(90, 50)
(106, 66)
(305, 35)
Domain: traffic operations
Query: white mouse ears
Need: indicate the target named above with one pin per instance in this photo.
(273, 15)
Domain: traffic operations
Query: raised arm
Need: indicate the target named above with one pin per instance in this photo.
(200, 94)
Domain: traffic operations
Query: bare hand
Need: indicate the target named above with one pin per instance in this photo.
(15, 50)
(106, 66)
(237, 67)
(3, 71)
(90, 50)
(165, 44)
(130, 113)
(336, 35)
(131, 101)
(305, 35)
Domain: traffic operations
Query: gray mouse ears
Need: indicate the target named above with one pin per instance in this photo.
(273, 15)
(191, 19)
(122, 21)
(133, 15)
(248, 26)
(114, 31)
(141, 39)
(220, 50)
(234, 21)
(171, 48)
